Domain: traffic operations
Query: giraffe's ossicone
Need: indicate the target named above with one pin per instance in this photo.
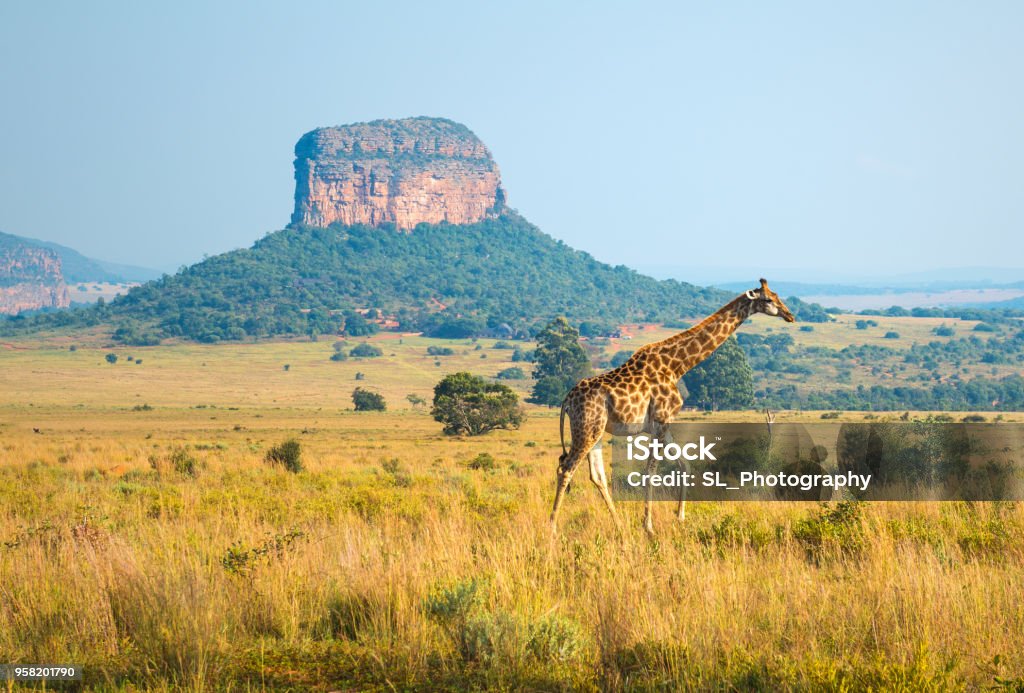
(642, 395)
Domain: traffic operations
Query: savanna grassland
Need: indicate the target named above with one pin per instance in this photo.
(144, 536)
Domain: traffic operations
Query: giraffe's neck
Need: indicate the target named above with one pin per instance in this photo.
(685, 350)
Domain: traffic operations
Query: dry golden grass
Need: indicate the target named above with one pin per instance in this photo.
(159, 550)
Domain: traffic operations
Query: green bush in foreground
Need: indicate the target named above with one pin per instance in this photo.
(288, 454)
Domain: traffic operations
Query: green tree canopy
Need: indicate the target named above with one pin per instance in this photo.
(367, 400)
(560, 362)
(468, 404)
(722, 381)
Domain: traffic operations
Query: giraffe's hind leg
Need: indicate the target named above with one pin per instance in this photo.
(587, 425)
(600, 479)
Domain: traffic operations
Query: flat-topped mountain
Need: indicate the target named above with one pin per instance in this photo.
(470, 265)
(402, 172)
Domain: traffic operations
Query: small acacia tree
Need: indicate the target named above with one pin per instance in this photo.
(469, 405)
(367, 400)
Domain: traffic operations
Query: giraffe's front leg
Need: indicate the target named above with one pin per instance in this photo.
(661, 431)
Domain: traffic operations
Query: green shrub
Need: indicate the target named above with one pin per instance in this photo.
(366, 350)
(111, 358)
(367, 400)
(836, 529)
(440, 351)
(453, 602)
(556, 639)
(288, 454)
(513, 373)
(483, 462)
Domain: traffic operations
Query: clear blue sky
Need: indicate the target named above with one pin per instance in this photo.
(858, 139)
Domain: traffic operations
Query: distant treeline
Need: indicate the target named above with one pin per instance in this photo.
(939, 363)
(961, 313)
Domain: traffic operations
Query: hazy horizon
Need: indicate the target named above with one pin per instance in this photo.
(865, 140)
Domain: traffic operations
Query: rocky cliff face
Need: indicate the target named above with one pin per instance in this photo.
(30, 278)
(395, 171)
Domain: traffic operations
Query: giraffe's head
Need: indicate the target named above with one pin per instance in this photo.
(764, 300)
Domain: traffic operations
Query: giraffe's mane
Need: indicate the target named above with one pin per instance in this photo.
(691, 332)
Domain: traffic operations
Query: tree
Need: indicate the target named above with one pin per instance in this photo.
(723, 381)
(620, 357)
(367, 400)
(467, 404)
(560, 362)
(366, 350)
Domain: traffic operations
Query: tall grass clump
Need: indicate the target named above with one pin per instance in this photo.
(287, 454)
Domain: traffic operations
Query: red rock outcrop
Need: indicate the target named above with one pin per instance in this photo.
(402, 172)
(30, 278)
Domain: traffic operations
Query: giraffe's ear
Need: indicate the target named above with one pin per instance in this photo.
(751, 295)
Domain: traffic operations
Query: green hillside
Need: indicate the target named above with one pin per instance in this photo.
(447, 280)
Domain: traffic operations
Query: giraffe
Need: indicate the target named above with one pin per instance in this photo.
(642, 395)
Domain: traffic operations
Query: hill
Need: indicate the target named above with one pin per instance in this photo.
(444, 279)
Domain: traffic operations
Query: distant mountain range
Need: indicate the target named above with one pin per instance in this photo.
(79, 268)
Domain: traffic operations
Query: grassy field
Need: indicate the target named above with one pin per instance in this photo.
(143, 536)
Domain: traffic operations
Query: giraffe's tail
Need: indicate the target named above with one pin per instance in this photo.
(561, 435)
(561, 432)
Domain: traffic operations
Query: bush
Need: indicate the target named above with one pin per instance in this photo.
(366, 350)
(518, 355)
(555, 638)
(467, 404)
(483, 462)
(440, 351)
(111, 358)
(288, 454)
(513, 373)
(892, 335)
(367, 400)
(944, 330)
(339, 356)
(836, 529)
